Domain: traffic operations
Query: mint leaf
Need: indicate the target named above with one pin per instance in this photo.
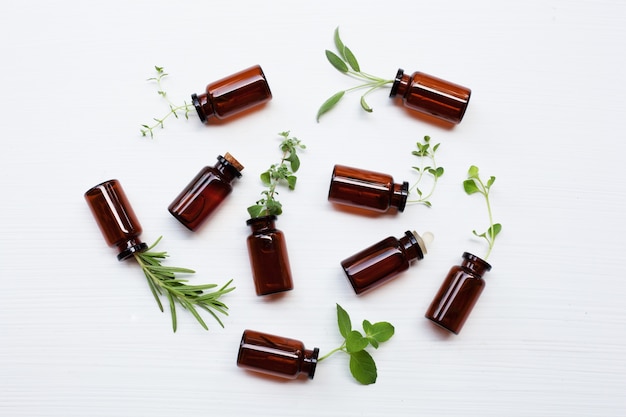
(378, 332)
(363, 367)
(355, 342)
(343, 321)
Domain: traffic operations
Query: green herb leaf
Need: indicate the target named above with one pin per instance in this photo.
(426, 153)
(345, 62)
(363, 367)
(329, 104)
(365, 106)
(470, 187)
(379, 332)
(336, 61)
(351, 59)
(339, 43)
(474, 184)
(281, 173)
(356, 342)
(343, 321)
(162, 280)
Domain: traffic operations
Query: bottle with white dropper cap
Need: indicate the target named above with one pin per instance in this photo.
(382, 261)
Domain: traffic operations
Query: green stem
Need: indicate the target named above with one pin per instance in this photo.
(340, 348)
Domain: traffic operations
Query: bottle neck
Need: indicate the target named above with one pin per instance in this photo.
(203, 107)
(475, 264)
(226, 169)
(128, 248)
(400, 84)
(262, 224)
(413, 245)
(309, 362)
(399, 195)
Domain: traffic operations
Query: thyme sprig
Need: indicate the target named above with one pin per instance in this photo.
(426, 153)
(280, 173)
(345, 62)
(174, 108)
(472, 185)
(163, 281)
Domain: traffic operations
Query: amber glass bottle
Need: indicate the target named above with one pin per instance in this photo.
(366, 189)
(275, 355)
(116, 218)
(267, 251)
(205, 192)
(458, 294)
(384, 260)
(232, 95)
(432, 95)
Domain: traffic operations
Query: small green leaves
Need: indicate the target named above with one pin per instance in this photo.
(174, 109)
(362, 365)
(162, 280)
(474, 185)
(283, 172)
(346, 62)
(426, 152)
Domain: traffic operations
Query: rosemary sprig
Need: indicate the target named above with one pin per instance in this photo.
(174, 108)
(162, 280)
(345, 62)
(283, 172)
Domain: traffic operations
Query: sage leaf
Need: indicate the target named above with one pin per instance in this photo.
(329, 104)
(351, 59)
(338, 43)
(365, 106)
(336, 62)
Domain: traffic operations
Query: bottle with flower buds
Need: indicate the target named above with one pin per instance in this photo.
(377, 264)
(115, 218)
(275, 355)
(206, 192)
(232, 95)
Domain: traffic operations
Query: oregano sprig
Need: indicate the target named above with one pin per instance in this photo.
(472, 185)
(163, 281)
(174, 108)
(346, 63)
(362, 365)
(426, 153)
(280, 173)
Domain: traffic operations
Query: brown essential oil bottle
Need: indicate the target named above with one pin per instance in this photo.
(267, 251)
(366, 189)
(431, 95)
(116, 218)
(275, 355)
(205, 192)
(459, 293)
(233, 94)
(384, 260)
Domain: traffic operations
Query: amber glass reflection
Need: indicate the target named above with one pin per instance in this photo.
(115, 218)
(366, 189)
(432, 95)
(205, 192)
(275, 355)
(267, 251)
(382, 261)
(459, 293)
(233, 94)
